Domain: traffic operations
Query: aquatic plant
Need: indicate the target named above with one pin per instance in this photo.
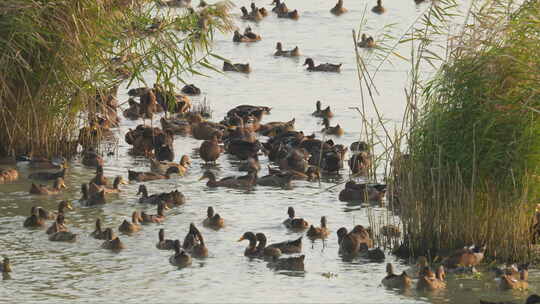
(60, 59)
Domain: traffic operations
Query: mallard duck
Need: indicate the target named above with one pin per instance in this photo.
(63, 236)
(8, 175)
(112, 242)
(291, 263)
(511, 282)
(361, 193)
(162, 166)
(45, 163)
(323, 67)
(318, 232)
(288, 247)
(134, 110)
(99, 233)
(58, 225)
(164, 244)
(43, 190)
(282, 179)
(289, 15)
(319, 112)
(129, 228)
(48, 215)
(295, 223)
(280, 7)
(191, 89)
(115, 188)
(378, 9)
(240, 182)
(171, 199)
(248, 32)
(468, 256)
(251, 250)
(176, 126)
(47, 175)
(263, 251)
(430, 281)
(251, 37)
(5, 267)
(532, 299)
(392, 280)
(253, 16)
(92, 199)
(154, 218)
(34, 221)
(99, 179)
(349, 242)
(329, 130)
(210, 150)
(366, 42)
(180, 258)
(190, 240)
(236, 67)
(213, 220)
(288, 53)
(338, 9)
(92, 159)
(199, 250)
(148, 176)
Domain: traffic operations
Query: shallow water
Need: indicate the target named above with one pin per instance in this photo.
(48, 272)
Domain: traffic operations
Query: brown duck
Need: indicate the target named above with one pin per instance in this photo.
(430, 281)
(240, 182)
(148, 176)
(98, 232)
(295, 223)
(213, 220)
(319, 112)
(332, 130)
(378, 9)
(263, 251)
(34, 221)
(8, 175)
(58, 225)
(163, 243)
(318, 232)
(112, 242)
(180, 258)
(466, 257)
(338, 9)
(286, 53)
(210, 150)
(236, 67)
(129, 228)
(92, 199)
(44, 190)
(392, 280)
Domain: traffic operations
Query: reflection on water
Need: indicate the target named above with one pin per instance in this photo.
(47, 272)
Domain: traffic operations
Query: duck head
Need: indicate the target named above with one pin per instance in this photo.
(59, 184)
(309, 62)
(279, 47)
(210, 212)
(185, 161)
(290, 212)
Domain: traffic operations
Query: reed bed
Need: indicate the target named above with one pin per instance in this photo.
(56, 56)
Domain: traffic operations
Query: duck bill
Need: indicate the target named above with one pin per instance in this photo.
(241, 239)
(202, 177)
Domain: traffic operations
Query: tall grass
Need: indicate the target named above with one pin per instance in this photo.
(55, 55)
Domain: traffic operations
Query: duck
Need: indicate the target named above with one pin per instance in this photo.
(323, 67)
(91, 159)
(262, 250)
(213, 220)
(48, 215)
(338, 9)
(378, 9)
(171, 199)
(253, 16)
(58, 225)
(248, 32)
(282, 179)
(129, 228)
(468, 256)
(8, 175)
(318, 232)
(204, 130)
(154, 218)
(251, 250)
(329, 130)
(246, 37)
(362, 193)
(148, 176)
(43, 190)
(5, 267)
(288, 247)
(392, 280)
(280, 7)
(289, 15)
(349, 242)
(190, 240)
(162, 243)
(115, 188)
(366, 42)
(45, 163)
(63, 236)
(295, 223)
(112, 242)
(162, 166)
(236, 67)
(210, 150)
(176, 126)
(92, 199)
(34, 220)
(180, 258)
(191, 89)
(319, 112)
(237, 182)
(99, 233)
(290, 263)
(255, 9)
(509, 281)
(286, 53)
(100, 179)
(375, 254)
(133, 112)
(199, 250)
(430, 281)
(532, 299)
(360, 163)
(47, 175)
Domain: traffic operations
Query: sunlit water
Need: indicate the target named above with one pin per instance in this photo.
(50, 272)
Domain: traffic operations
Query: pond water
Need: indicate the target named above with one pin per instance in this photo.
(49, 272)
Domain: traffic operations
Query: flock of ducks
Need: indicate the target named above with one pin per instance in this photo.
(296, 156)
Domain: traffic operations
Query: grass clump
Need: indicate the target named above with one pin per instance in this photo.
(471, 176)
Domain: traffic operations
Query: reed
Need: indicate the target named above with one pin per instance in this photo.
(56, 56)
